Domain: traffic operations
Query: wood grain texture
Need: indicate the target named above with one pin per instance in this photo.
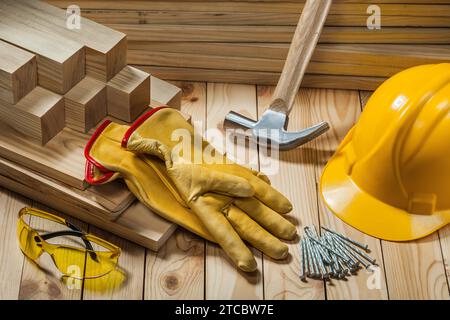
(293, 174)
(276, 34)
(68, 145)
(444, 237)
(165, 93)
(118, 16)
(106, 202)
(126, 282)
(105, 48)
(85, 105)
(223, 280)
(369, 54)
(128, 93)
(341, 109)
(18, 73)
(60, 60)
(39, 115)
(43, 281)
(10, 253)
(355, 7)
(268, 78)
(415, 270)
(177, 270)
(338, 67)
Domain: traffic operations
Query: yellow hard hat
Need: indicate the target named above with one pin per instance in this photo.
(390, 176)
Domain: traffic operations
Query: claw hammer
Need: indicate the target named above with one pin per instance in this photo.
(271, 128)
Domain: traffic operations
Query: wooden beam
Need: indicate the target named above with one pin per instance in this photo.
(277, 34)
(60, 60)
(136, 223)
(18, 73)
(128, 93)
(106, 49)
(190, 60)
(61, 158)
(355, 7)
(252, 77)
(402, 19)
(371, 54)
(85, 104)
(165, 93)
(39, 115)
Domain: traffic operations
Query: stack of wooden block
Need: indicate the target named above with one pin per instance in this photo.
(56, 85)
(247, 41)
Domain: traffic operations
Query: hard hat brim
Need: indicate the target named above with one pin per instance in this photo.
(367, 213)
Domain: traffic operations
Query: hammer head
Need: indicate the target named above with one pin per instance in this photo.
(271, 128)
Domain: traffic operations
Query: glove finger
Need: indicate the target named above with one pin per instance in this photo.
(267, 218)
(208, 209)
(270, 196)
(208, 180)
(254, 234)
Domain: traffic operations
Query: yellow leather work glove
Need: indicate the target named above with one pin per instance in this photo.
(106, 161)
(234, 203)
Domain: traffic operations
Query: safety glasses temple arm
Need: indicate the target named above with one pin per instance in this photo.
(74, 233)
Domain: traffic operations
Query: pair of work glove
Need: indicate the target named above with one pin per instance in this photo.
(222, 202)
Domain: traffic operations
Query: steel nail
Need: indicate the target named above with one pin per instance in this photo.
(303, 253)
(329, 249)
(356, 243)
(359, 252)
(323, 270)
(314, 269)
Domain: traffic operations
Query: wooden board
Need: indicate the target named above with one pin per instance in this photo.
(296, 179)
(85, 104)
(268, 78)
(18, 73)
(341, 109)
(105, 48)
(10, 254)
(354, 7)
(223, 280)
(135, 223)
(107, 202)
(128, 93)
(361, 54)
(276, 34)
(39, 116)
(165, 93)
(60, 60)
(403, 19)
(177, 270)
(193, 60)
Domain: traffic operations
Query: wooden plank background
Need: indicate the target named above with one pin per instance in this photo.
(247, 41)
(189, 268)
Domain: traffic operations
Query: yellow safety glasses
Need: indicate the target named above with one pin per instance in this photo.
(79, 263)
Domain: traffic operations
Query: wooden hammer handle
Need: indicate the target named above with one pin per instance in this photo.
(302, 46)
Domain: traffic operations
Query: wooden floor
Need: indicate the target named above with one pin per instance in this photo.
(188, 268)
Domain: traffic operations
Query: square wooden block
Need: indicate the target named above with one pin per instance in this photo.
(85, 104)
(128, 94)
(39, 115)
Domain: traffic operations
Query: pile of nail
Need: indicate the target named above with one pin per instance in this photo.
(331, 255)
